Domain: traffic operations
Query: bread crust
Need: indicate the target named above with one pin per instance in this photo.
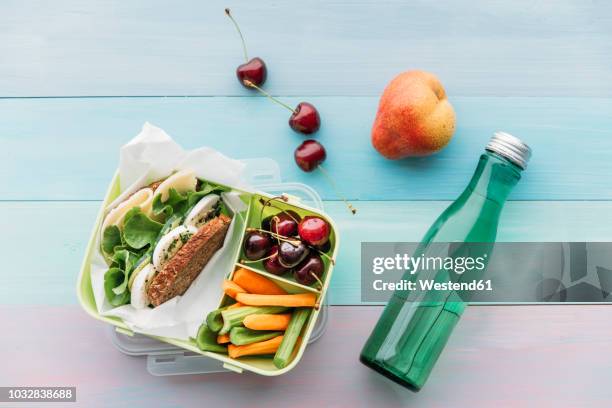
(179, 273)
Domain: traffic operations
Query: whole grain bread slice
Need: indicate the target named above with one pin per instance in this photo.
(179, 273)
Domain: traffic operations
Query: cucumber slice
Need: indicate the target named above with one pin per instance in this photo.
(285, 350)
(140, 264)
(241, 335)
(174, 221)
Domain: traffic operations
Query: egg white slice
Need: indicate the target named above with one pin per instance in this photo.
(201, 210)
(184, 180)
(170, 243)
(138, 295)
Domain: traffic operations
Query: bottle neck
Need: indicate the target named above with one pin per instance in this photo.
(494, 178)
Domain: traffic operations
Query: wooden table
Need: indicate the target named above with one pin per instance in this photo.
(78, 79)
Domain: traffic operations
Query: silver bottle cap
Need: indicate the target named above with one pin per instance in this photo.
(510, 147)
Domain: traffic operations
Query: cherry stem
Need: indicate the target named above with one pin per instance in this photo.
(244, 48)
(247, 261)
(277, 236)
(333, 184)
(273, 99)
(333, 262)
(314, 275)
(266, 203)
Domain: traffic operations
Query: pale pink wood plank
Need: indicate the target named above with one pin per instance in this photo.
(499, 356)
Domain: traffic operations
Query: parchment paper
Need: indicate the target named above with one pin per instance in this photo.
(150, 156)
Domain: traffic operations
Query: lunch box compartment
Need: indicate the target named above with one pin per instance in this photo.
(255, 218)
(168, 356)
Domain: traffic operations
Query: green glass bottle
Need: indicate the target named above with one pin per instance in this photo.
(414, 328)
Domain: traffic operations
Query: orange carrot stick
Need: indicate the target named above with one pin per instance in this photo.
(235, 305)
(232, 289)
(223, 338)
(253, 282)
(299, 300)
(253, 349)
(267, 321)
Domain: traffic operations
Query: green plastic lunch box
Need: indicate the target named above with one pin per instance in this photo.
(168, 356)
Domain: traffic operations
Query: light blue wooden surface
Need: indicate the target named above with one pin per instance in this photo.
(314, 47)
(67, 149)
(542, 70)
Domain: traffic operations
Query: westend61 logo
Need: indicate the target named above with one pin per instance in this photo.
(412, 264)
(508, 272)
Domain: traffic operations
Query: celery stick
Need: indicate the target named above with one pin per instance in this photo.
(241, 335)
(206, 340)
(214, 319)
(298, 319)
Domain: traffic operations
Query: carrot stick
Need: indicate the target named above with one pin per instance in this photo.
(223, 338)
(267, 321)
(253, 282)
(234, 306)
(232, 289)
(299, 300)
(253, 349)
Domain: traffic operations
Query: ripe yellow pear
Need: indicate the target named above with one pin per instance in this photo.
(414, 117)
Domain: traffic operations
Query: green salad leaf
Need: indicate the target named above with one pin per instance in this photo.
(175, 204)
(139, 230)
(112, 279)
(111, 238)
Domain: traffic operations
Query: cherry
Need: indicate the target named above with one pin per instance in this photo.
(314, 230)
(271, 264)
(309, 155)
(283, 223)
(310, 270)
(305, 118)
(289, 254)
(254, 70)
(256, 245)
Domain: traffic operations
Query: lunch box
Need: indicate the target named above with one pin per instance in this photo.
(169, 356)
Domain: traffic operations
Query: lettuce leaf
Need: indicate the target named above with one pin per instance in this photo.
(112, 279)
(180, 204)
(111, 238)
(175, 204)
(139, 230)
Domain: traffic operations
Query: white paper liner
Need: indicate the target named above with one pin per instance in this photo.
(150, 156)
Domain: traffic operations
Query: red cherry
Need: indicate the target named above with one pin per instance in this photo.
(272, 264)
(309, 155)
(314, 230)
(305, 119)
(253, 71)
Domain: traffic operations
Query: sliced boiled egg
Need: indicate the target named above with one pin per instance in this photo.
(200, 212)
(170, 243)
(138, 295)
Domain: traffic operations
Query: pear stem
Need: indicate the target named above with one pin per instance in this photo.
(333, 184)
(244, 48)
(284, 105)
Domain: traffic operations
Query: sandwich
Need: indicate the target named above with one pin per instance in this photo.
(158, 239)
